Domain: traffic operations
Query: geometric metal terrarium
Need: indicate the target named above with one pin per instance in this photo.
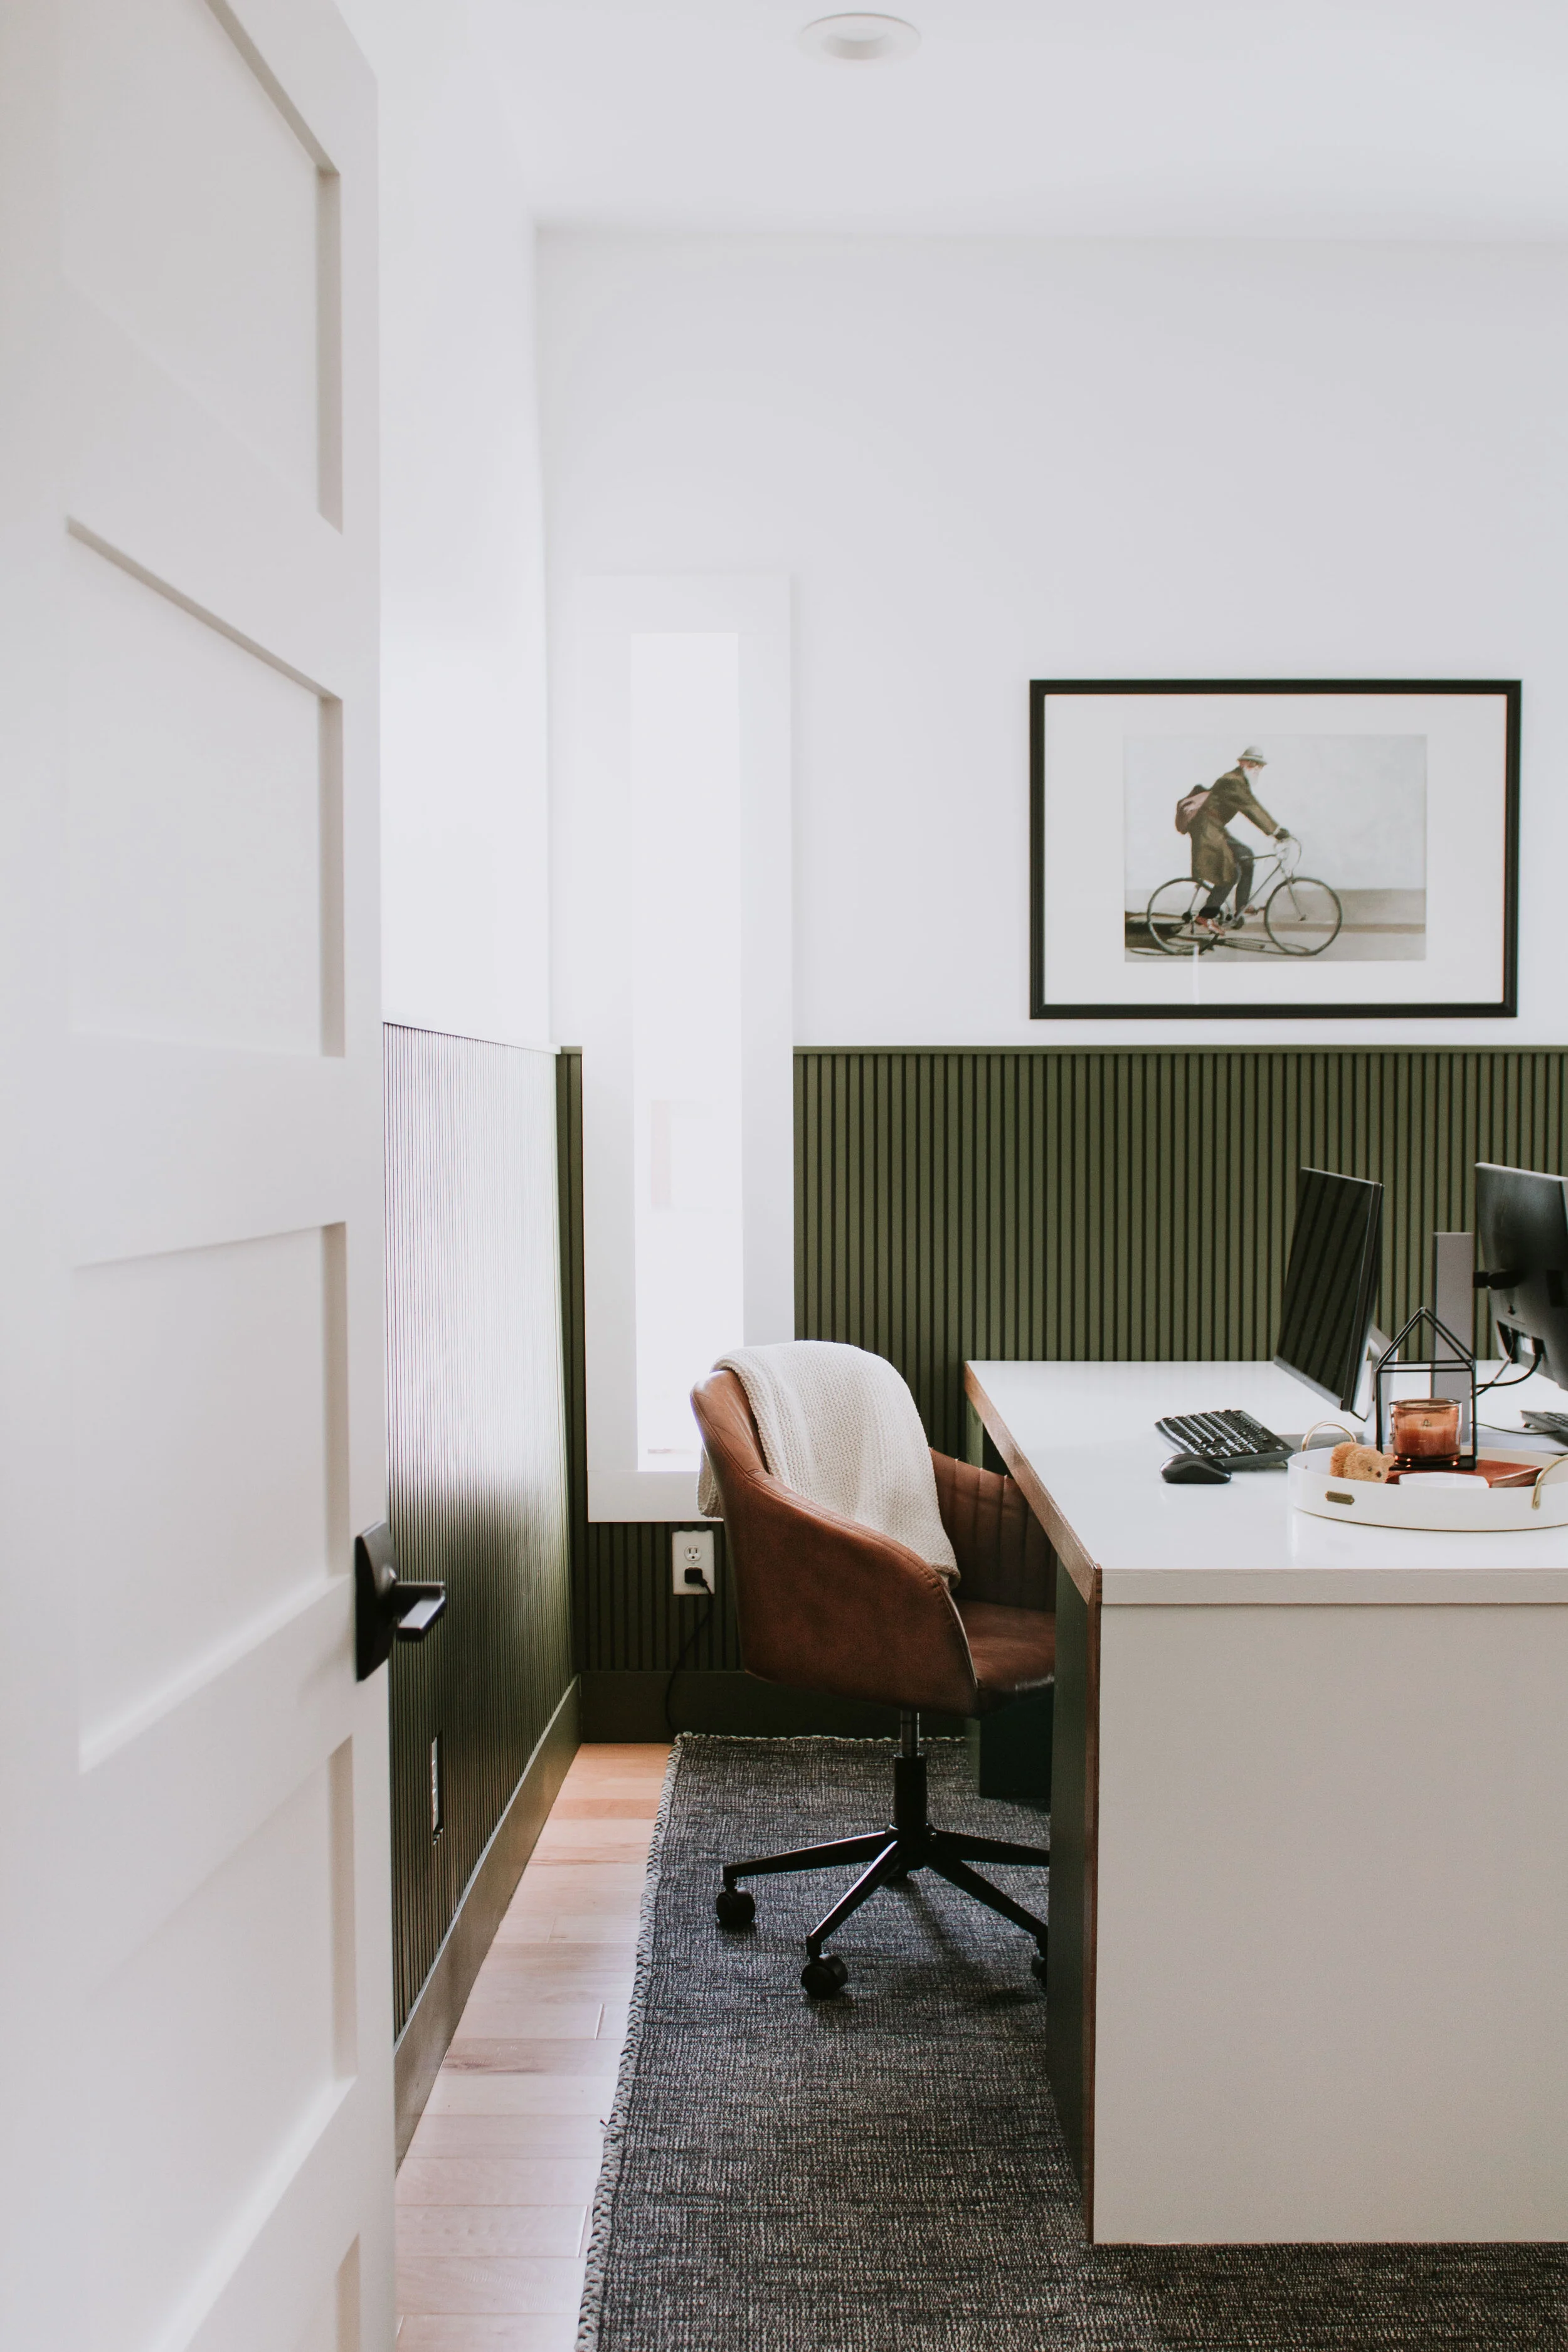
(1451, 1369)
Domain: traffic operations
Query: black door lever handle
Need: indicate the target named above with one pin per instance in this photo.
(386, 1608)
(425, 1603)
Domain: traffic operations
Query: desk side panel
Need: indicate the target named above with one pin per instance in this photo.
(1332, 1913)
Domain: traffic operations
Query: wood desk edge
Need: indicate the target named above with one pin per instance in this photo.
(1083, 1571)
(1302, 1585)
(1071, 1994)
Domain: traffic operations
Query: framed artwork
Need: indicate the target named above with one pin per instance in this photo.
(1271, 849)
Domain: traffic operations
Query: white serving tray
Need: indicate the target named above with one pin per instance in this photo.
(1473, 1510)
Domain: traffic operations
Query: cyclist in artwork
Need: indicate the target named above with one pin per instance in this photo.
(1210, 906)
(1219, 860)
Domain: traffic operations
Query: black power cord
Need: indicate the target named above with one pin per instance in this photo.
(1538, 1357)
(686, 1649)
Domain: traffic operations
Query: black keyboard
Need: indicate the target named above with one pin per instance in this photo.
(1234, 1439)
(1547, 1424)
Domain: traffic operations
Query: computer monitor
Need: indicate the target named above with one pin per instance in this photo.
(1331, 1283)
(1521, 1258)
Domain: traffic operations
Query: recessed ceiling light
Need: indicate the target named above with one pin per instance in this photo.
(860, 40)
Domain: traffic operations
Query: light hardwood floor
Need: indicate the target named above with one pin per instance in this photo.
(496, 2191)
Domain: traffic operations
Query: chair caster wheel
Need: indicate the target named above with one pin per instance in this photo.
(1038, 1968)
(734, 1907)
(823, 1978)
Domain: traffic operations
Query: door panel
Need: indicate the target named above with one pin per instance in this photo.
(194, 1842)
(216, 2044)
(206, 1761)
(197, 815)
(198, 1373)
(161, 100)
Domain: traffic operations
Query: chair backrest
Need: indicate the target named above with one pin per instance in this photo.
(823, 1603)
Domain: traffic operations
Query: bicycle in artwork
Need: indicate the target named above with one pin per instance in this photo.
(1288, 913)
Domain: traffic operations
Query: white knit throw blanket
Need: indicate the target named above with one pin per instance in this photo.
(840, 1427)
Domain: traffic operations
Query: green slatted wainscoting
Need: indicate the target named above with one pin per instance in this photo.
(629, 1630)
(1089, 1203)
(483, 1713)
(1118, 1204)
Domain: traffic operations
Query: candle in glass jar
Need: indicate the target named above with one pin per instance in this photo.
(1424, 1427)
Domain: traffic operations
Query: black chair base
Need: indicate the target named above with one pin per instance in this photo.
(908, 1844)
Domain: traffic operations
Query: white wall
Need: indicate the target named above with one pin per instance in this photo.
(984, 461)
(465, 863)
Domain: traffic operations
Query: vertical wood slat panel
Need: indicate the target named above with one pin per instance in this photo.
(1121, 1202)
(1125, 1203)
(477, 1470)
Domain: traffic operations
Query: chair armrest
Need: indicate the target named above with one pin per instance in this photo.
(1004, 1553)
(827, 1605)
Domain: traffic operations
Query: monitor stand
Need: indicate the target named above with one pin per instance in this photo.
(1454, 1284)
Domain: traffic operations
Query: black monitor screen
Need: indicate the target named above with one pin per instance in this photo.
(1521, 1246)
(1331, 1283)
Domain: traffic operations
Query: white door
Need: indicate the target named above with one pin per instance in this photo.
(195, 2128)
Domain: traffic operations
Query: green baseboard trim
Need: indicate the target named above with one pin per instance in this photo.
(629, 1705)
(433, 2020)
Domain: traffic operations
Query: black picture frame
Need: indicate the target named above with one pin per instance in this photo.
(1505, 1005)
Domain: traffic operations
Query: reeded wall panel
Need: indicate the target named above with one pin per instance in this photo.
(1122, 1205)
(477, 1470)
(1092, 1205)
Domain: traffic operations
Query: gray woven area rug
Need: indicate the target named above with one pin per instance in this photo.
(884, 2173)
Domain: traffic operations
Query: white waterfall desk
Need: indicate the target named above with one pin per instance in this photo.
(1309, 1951)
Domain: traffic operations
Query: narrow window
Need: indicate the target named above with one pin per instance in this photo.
(687, 1041)
(673, 851)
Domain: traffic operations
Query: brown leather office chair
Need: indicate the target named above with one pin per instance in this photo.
(827, 1605)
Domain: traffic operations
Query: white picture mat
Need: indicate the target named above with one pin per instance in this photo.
(1355, 802)
(1085, 850)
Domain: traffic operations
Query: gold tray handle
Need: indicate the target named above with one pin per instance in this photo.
(1354, 1440)
(1542, 1477)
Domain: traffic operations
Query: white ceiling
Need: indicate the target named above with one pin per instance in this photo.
(1123, 117)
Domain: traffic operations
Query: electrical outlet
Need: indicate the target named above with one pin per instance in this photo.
(691, 1559)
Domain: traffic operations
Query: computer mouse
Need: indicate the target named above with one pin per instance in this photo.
(1193, 1470)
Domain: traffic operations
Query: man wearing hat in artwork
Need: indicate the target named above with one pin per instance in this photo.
(1219, 859)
